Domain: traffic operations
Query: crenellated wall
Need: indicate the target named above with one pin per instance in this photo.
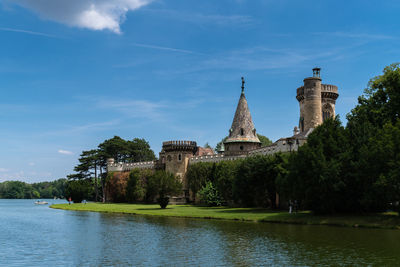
(214, 158)
(124, 167)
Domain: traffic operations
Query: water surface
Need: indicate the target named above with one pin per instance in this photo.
(34, 235)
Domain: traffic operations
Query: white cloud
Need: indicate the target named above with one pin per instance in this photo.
(3, 170)
(31, 163)
(91, 14)
(65, 152)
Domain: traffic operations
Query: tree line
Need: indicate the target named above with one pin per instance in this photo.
(22, 190)
(340, 169)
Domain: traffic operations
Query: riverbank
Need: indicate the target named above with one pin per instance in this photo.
(382, 220)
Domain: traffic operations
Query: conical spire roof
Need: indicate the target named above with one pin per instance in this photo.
(242, 129)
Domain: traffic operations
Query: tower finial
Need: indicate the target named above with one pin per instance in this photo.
(317, 72)
(243, 82)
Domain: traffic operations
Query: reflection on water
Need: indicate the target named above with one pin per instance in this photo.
(34, 235)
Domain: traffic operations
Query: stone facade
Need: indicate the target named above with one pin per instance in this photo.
(317, 102)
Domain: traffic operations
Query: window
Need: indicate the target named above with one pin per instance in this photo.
(301, 124)
(326, 115)
(179, 157)
(241, 131)
(327, 112)
(241, 147)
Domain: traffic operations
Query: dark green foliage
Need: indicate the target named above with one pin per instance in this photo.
(316, 176)
(265, 141)
(163, 184)
(198, 175)
(210, 195)
(79, 190)
(255, 183)
(137, 150)
(247, 182)
(224, 176)
(21, 190)
(135, 188)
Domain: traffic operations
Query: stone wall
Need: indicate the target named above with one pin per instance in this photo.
(124, 167)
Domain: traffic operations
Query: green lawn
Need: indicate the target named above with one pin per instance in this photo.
(381, 220)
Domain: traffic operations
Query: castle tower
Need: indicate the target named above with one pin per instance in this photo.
(317, 101)
(175, 157)
(242, 134)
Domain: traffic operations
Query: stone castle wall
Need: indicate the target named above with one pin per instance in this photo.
(124, 167)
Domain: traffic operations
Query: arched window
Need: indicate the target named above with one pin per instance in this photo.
(241, 148)
(327, 112)
(179, 157)
(241, 131)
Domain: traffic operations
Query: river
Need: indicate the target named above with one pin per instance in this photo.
(35, 235)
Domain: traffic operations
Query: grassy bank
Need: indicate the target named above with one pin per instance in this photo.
(382, 220)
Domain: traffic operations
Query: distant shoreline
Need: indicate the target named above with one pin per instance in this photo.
(389, 220)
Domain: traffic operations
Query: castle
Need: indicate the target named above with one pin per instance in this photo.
(317, 103)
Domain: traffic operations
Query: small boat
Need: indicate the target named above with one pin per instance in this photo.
(39, 202)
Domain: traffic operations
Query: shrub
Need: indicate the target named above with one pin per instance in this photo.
(210, 195)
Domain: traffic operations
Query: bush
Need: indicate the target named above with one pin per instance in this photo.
(210, 195)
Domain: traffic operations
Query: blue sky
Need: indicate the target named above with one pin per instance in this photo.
(76, 72)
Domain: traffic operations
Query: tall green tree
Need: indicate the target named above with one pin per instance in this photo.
(316, 176)
(89, 163)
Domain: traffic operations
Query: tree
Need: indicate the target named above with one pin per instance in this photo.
(265, 141)
(135, 190)
(78, 190)
(316, 174)
(198, 175)
(224, 177)
(89, 162)
(210, 195)
(254, 184)
(139, 150)
(163, 184)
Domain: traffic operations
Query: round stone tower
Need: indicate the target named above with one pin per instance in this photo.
(317, 101)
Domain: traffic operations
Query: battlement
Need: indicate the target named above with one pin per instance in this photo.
(300, 93)
(179, 146)
(122, 167)
(266, 150)
(327, 91)
(214, 158)
(329, 88)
